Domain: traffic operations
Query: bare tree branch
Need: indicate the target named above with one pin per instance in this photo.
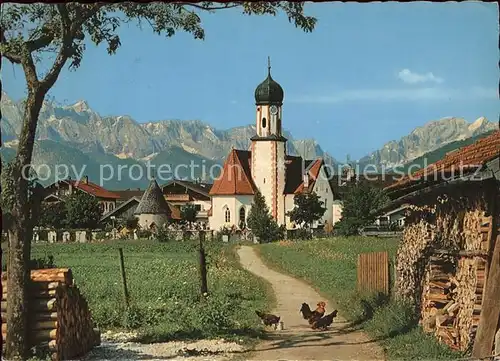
(210, 8)
(63, 54)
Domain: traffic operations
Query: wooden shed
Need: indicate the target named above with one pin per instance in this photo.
(448, 262)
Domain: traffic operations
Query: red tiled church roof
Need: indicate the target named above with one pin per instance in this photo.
(313, 174)
(236, 177)
(465, 159)
(93, 189)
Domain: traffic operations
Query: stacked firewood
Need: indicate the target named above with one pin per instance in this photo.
(451, 300)
(417, 237)
(59, 317)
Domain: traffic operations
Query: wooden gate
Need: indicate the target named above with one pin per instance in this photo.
(373, 272)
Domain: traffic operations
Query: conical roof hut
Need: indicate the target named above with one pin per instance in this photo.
(153, 201)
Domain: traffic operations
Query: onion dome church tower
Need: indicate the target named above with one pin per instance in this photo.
(269, 146)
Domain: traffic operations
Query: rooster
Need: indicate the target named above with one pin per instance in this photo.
(268, 319)
(312, 316)
(324, 322)
(306, 311)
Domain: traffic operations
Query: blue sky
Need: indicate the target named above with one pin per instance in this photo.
(368, 74)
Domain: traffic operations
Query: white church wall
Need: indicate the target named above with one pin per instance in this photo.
(263, 169)
(280, 187)
(323, 190)
(289, 204)
(337, 211)
(234, 203)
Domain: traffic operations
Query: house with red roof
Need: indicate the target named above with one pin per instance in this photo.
(267, 167)
(57, 191)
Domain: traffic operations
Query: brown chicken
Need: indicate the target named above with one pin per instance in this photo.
(324, 322)
(268, 319)
(312, 316)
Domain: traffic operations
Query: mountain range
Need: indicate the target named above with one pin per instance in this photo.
(77, 135)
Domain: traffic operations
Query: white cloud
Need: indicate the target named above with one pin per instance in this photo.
(410, 77)
(401, 94)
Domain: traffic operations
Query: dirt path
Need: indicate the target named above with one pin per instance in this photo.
(298, 341)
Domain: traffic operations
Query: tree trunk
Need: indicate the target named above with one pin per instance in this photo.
(20, 234)
(203, 266)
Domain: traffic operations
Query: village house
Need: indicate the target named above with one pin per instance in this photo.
(182, 192)
(448, 261)
(268, 168)
(342, 183)
(60, 190)
(150, 207)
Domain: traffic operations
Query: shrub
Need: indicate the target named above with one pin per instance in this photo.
(43, 262)
(144, 233)
(163, 235)
(392, 319)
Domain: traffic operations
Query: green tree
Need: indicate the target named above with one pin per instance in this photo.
(28, 32)
(360, 203)
(307, 209)
(189, 213)
(82, 211)
(53, 215)
(260, 221)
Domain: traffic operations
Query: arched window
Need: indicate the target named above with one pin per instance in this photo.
(242, 217)
(227, 215)
(264, 122)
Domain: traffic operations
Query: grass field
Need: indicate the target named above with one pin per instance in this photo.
(163, 283)
(330, 266)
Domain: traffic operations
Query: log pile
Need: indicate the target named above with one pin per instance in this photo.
(417, 237)
(59, 317)
(451, 300)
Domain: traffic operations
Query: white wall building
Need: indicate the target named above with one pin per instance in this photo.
(267, 167)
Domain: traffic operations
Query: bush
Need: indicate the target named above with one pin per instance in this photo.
(43, 262)
(303, 233)
(392, 319)
(163, 235)
(144, 233)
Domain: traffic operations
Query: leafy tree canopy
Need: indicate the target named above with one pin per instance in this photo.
(53, 215)
(308, 208)
(260, 221)
(360, 202)
(29, 30)
(82, 210)
(189, 213)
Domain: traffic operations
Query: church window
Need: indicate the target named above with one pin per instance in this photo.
(242, 217)
(264, 180)
(264, 122)
(227, 215)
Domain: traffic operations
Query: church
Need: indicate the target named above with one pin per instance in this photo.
(267, 167)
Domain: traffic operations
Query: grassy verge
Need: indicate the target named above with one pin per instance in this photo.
(163, 283)
(330, 266)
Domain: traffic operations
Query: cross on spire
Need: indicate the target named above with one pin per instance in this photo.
(269, 65)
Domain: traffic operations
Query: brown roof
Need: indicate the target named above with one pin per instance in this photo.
(236, 177)
(127, 194)
(313, 172)
(464, 160)
(93, 189)
(199, 187)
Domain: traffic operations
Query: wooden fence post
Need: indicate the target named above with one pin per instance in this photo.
(203, 266)
(124, 278)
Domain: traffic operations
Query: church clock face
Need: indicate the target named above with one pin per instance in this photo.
(273, 109)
